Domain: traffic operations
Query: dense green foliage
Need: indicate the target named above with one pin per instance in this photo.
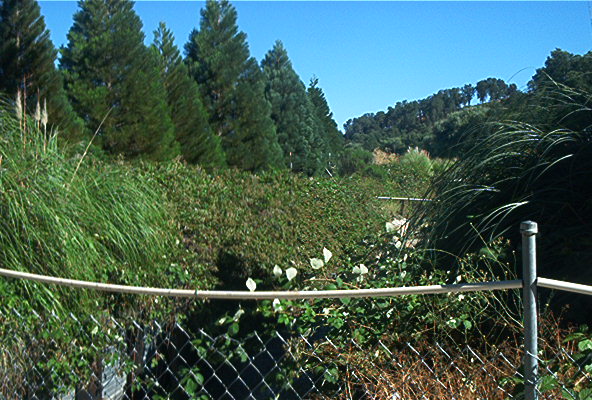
(292, 113)
(241, 225)
(198, 143)
(114, 83)
(511, 172)
(332, 139)
(410, 124)
(78, 219)
(215, 108)
(27, 67)
(233, 87)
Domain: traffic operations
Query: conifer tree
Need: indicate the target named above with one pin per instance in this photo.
(292, 113)
(114, 83)
(192, 130)
(329, 132)
(232, 87)
(27, 58)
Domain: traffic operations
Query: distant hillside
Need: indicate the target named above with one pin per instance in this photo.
(417, 123)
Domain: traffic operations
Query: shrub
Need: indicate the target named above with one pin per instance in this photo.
(237, 225)
(79, 219)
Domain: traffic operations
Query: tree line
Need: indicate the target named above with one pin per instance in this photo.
(412, 123)
(446, 123)
(215, 105)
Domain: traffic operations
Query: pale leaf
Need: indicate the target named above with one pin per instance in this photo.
(363, 269)
(277, 271)
(316, 263)
(327, 254)
(251, 285)
(291, 273)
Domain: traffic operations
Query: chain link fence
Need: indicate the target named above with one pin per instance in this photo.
(71, 357)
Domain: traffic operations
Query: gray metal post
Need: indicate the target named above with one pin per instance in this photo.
(529, 229)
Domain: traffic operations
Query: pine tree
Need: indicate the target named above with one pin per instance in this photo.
(27, 68)
(114, 83)
(327, 126)
(232, 88)
(292, 113)
(192, 130)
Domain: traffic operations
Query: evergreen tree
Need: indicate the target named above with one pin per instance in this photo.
(27, 58)
(329, 133)
(292, 113)
(114, 83)
(192, 130)
(232, 87)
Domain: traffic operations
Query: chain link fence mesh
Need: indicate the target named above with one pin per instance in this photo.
(100, 357)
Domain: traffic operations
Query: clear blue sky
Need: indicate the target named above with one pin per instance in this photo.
(369, 55)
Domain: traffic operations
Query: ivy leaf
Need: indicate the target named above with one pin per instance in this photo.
(276, 305)
(291, 273)
(251, 285)
(277, 271)
(327, 254)
(585, 345)
(363, 269)
(316, 263)
(233, 329)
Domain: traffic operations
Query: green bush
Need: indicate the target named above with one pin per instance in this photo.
(518, 172)
(353, 159)
(78, 219)
(239, 225)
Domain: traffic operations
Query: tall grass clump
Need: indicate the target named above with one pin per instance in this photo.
(74, 218)
(518, 172)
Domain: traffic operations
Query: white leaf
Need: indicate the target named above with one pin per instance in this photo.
(327, 255)
(276, 304)
(363, 269)
(390, 227)
(251, 285)
(291, 273)
(238, 314)
(316, 263)
(356, 270)
(277, 271)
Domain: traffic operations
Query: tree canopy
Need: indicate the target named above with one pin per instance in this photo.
(292, 113)
(114, 83)
(27, 68)
(232, 87)
(192, 129)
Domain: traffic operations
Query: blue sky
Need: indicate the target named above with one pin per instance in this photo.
(369, 55)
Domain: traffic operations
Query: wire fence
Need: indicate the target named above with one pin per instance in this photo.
(50, 355)
(71, 357)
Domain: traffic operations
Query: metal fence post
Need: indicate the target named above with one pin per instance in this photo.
(529, 229)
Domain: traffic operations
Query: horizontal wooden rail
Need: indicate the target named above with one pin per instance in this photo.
(267, 295)
(566, 286)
